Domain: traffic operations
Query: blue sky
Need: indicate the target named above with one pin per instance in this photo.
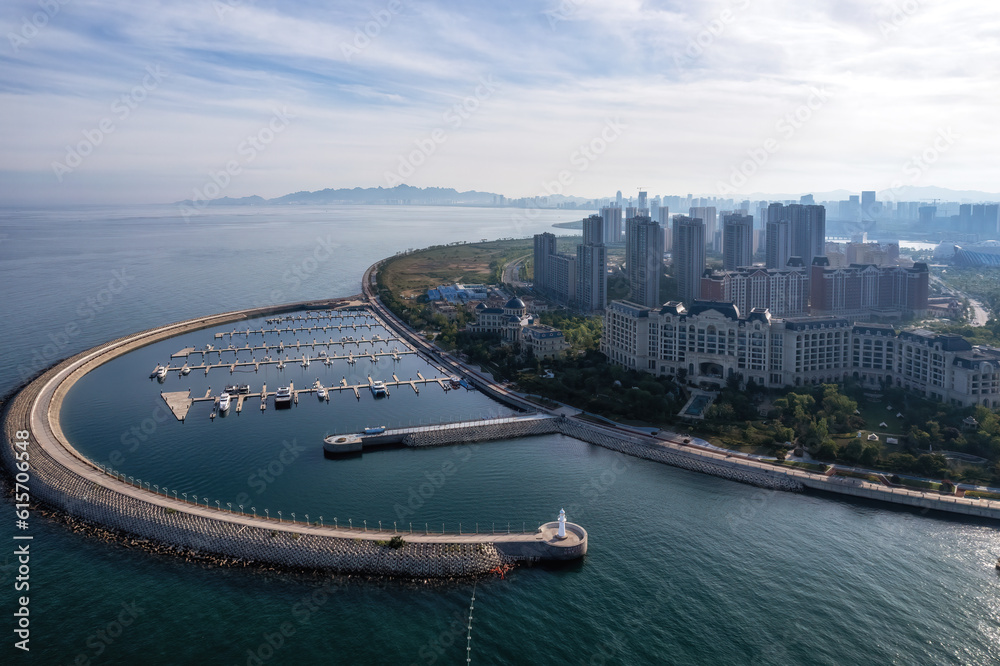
(114, 102)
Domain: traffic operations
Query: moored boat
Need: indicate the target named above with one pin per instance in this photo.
(162, 372)
(283, 397)
(375, 430)
(379, 389)
(223, 402)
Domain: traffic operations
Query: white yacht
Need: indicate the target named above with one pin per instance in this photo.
(283, 397)
(162, 372)
(379, 389)
(223, 402)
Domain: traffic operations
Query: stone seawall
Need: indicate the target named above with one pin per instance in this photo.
(487, 433)
(635, 446)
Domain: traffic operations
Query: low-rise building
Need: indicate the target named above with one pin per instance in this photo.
(514, 325)
(711, 342)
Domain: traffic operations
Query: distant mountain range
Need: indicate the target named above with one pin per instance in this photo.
(407, 194)
(359, 195)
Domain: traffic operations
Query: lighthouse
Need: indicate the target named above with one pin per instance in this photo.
(561, 534)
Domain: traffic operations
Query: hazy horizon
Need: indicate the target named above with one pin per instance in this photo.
(110, 103)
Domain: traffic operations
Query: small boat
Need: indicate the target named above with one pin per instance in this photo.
(321, 393)
(305, 361)
(223, 402)
(455, 380)
(375, 430)
(156, 371)
(185, 370)
(162, 372)
(379, 389)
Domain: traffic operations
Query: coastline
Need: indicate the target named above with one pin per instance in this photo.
(68, 482)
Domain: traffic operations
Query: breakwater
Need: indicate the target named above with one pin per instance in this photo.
(61, 478)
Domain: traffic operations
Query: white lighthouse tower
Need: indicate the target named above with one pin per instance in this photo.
(561, 534)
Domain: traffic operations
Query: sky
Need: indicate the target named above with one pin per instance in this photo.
(152, 102)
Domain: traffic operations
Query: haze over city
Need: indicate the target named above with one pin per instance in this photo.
(106, 102)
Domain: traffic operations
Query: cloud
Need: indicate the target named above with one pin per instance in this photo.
(699, 84)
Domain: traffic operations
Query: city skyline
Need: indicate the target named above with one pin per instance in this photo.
(104, 105)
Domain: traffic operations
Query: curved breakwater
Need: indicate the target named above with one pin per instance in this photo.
(64, 480)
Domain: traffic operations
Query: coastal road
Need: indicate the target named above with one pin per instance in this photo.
(980, 315)
(513, 270)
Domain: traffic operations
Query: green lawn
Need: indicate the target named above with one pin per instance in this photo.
(978, 494)
(819, 468)
(920, 485)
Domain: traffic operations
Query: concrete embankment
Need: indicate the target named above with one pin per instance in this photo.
(61, 478)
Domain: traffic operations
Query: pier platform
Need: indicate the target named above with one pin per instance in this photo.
(481, 430)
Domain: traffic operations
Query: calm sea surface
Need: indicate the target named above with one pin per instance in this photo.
(682, 569)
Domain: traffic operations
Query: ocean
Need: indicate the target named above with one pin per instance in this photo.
(682, 568)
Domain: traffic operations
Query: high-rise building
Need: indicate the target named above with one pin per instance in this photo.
(869, 207)
(612, 216)
(737, 241)
(642, 206)
(618, 199)
(794, 231)
(777, 237)
(688, 256)
(593, 230)
(592, 267)
(644, 260)
(708, 215)
(545, 245)
(807, 200)
(591, 277)
(555, 274)
(663, 217)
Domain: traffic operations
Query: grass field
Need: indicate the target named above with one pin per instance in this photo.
(413, 274)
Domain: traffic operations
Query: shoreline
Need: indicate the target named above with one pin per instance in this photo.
(756, 473)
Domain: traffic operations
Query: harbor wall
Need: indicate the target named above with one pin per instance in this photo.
(635, 446)
(62, 479)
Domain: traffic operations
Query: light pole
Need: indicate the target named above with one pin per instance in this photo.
(217, 505)
(279, 516)
(267, 514)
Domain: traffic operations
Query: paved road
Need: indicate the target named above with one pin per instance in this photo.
(513, 270)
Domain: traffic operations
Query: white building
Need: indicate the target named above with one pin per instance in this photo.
(711, 341)
(514, 325)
